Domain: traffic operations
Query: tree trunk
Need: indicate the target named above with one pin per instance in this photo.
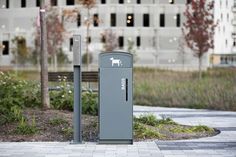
(55, 62)
(87, 39)
(200, 67)
(44, 59)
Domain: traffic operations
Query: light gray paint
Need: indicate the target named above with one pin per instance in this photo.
(115, 106)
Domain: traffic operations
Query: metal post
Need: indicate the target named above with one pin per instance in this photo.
(77, 88)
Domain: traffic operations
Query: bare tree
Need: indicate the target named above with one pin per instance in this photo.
(182, 51)
(55, 33)
(88, 4)
(132, 50)
(44, 58)
(110, 40)
(199, 28)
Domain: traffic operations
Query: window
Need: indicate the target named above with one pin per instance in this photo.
(221, 16)
(178, 20)
(162, 20)
(146, 20)
(89, 40)
(138, 41)
(71, 44)
(6, 48)
(78, 20)
(121, 41)
(226, 3)
(53, 2)
(70, 2)
(171, 1)
(130, 20)
(138, 1)
(189, 1)
(103, 39)
(228, 17)
(95, 20)
(226, 42)
(121, 1)
(7, 3)
(23, 3)
(113, 19)
(37, 3)
(234, 43)
(103, 1)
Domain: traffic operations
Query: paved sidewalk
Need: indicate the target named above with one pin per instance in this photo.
(222, 145)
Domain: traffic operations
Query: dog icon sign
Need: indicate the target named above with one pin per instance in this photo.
(117, 62)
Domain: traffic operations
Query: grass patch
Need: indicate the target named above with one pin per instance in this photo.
(57, 121)
(143, 132)
(149, 127)
(23, 128)
(216, 90)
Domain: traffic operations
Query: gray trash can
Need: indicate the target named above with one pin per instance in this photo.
(116, 98)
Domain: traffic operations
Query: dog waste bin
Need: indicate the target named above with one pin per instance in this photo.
(116, 98)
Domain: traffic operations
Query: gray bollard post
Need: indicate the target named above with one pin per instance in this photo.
(77, 89)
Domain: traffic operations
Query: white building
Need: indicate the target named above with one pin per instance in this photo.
(154, 26)
(225, 37)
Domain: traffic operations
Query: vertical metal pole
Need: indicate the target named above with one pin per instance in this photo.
(77, 88)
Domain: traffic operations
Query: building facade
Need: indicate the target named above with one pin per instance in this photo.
(153, 25)
(225, 33)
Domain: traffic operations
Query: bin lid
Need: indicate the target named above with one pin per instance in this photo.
(115, 59)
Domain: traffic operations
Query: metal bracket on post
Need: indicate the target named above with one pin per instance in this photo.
(77, 89)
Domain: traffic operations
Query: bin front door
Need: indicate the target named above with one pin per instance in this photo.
(116, 103)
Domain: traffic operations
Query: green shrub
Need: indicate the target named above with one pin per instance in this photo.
(62, 99)
(90, 103)
(24, 128)
(14, 95)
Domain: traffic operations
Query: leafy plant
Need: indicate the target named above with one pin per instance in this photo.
(16, 94)
(62, 99)
(24, 128)
(90, 103)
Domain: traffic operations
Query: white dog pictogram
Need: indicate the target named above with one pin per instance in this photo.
(115, 61)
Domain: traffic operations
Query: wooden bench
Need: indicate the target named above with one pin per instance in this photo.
(87, 76)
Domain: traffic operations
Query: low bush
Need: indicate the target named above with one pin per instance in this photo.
(63, 98)
(90, 103)
(14, 95)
